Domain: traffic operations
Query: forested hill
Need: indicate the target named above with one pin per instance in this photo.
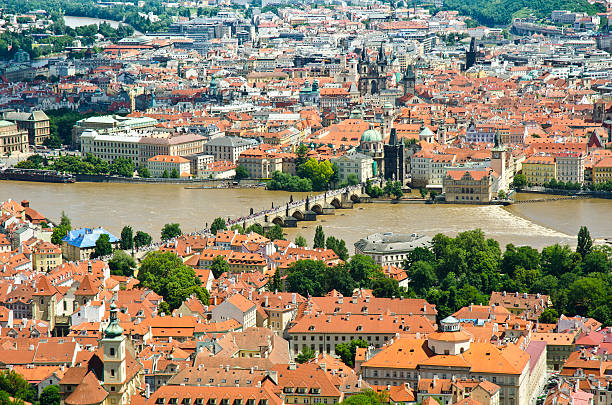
(500, 12)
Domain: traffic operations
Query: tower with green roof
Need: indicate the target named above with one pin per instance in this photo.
(114, 357)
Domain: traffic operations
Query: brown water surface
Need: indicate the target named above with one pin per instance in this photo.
(148, 207)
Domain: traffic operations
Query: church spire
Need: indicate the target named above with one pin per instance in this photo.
(113, 329)
(496, 139)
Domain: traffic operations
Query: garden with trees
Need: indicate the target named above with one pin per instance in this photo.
(456, 272)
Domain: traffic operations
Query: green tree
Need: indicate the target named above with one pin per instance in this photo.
(50, 395)
(167, 275)
(385, 287)
(346, 351)
(302, 153)
(307, 277)
(174, 174)
(352, 179)
(338, 246)
(319, 238)
(61, 230)
(237, 228)
(394, 188)
(585, 243)
(276, 284)
(122, 167)
(598, 260)
(319, 173)
(287, 182)
(549, 315)
(519, 182)
(362, 269)
(373, 191)
(170, 231)
(275, 233)
(367, 397)
(339, 278)
(587, 293)
(305, 355)
(142, 239)
(422, 277)
(127, 238)
(217, 225)
(16, 386)
(144, 172)
(256, 228)
(557, 260)
(419, 254)
(122, 264)
(501, 195)
(165, 174)
(241, 173)
(103, 246)
(219, 266)
(524, 257)
(300, 241)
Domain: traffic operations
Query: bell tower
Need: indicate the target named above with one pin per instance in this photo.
(115, 370)
(498, 162)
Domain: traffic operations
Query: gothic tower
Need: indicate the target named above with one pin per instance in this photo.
(408, 81)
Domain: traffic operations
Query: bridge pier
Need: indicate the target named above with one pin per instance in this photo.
(290, 222)
(329, 209)
(310, 216)
(346, 205)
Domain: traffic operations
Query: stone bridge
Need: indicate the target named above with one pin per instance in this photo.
(308, 209)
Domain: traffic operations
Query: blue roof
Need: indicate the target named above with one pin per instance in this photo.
(87, 237)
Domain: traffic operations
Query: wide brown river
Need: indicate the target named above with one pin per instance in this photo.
(148, 207)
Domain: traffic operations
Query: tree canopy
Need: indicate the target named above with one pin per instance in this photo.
(167, 275)
(103, 246)
(122, 264)
(170, 231)
(127, 238)
(218, 224)
(142, 239)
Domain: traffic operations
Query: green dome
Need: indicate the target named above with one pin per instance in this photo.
(113, 329)
(426, 132)
(371, 135)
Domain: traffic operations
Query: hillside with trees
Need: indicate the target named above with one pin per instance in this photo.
(500, 12)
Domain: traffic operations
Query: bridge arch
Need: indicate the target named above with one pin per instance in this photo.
(336, 203)
(354, 198)
(278, 221)
(317, 209)
(299, 215)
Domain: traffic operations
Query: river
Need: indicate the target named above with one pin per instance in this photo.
(73, 22)
(148, 207)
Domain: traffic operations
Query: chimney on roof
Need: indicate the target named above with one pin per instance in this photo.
(293, 298)
(89, 267)
(471, 306)
(504, 293)
(434, 380)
